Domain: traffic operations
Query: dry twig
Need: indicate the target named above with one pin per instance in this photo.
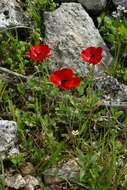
(9, 76)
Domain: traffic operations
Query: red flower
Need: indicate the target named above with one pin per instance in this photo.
(92, 55)
(39, 52)
(64, 79)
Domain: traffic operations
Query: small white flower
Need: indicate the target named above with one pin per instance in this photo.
(121, 8)
(75, 132)
(125, 11)
(114, 14)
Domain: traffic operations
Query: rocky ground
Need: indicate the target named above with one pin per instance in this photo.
(68, 29)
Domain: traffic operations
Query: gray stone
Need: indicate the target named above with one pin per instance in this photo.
(27, 182)
(8, 139)
(123, 3)
(11, 14)
(32, 183)
(15, 181)
(114, 94)
(96, 5)
(28, 187)
(109, 86)
(69, 30)
(31, 180)
(69, 170)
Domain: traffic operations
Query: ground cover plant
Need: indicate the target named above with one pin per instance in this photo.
(59, 115)
(113, 30)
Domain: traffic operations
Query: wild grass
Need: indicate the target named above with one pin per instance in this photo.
(47, 117)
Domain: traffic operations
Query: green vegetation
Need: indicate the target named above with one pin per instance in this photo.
(113, 31)
(46, 117)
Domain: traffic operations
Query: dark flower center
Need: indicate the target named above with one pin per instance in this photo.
(92, 56)
(63, 81)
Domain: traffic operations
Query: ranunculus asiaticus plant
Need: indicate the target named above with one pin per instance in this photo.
(39, 52)
(65, 79)
(92, 55)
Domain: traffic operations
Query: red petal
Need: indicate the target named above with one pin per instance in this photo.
(87, 53)
(39, 52)
(40, 48)
(98, 56)
(63, 79)
(55, 79)
(92, 55)
(66, 74)
(71, 84)
(99, 50)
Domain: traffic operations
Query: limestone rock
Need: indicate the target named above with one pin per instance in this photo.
(8, 139)
(109, 86)
(69, 30)
(32, 183)
(28, 187)
(11, 14)
(69, 171)
(95, 5)
(123, 3)
(30, 180)
(15, 181)
(114, 94)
